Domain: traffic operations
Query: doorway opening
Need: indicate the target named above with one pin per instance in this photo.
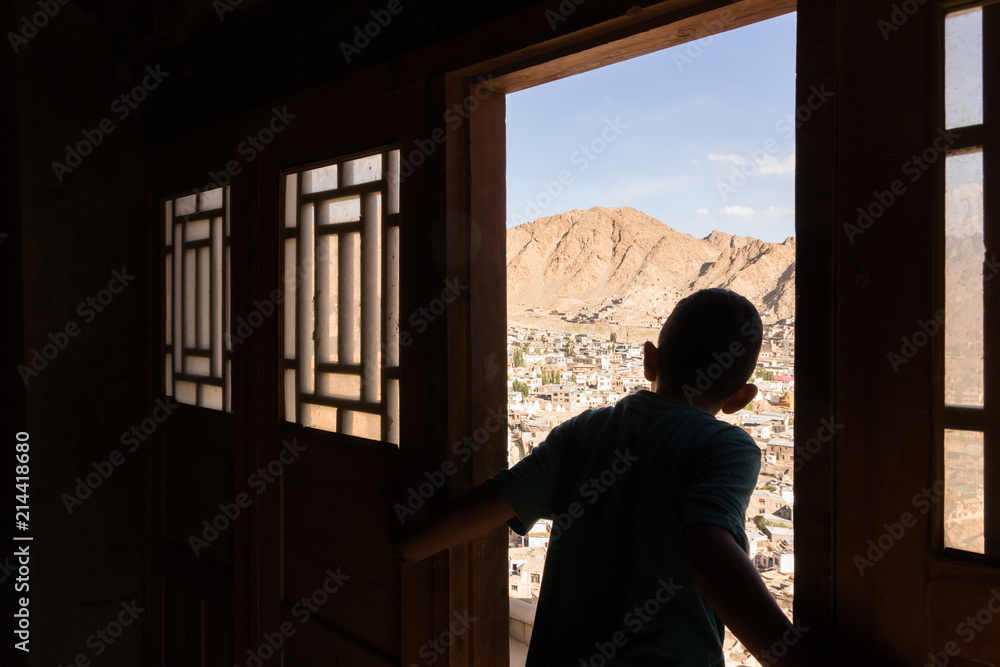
(628, 188)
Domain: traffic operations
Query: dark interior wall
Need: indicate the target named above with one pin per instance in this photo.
(82, 222)
(76, 233)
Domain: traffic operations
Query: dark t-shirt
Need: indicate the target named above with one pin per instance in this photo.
(620, 483)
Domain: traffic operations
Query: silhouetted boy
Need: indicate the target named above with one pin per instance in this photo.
(648, 552)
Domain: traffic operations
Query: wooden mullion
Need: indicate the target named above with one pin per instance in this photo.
(199, 379)
(224, 323)
(991, 282)
(299, 356)
(968, 138)
(337, 367)
(366, 290)
(182, 294)
(333, 228)
(207, 214)
(345, 191)
(199, 243)
(939, 418)
(321, 286)
(166, 252)
(383, 301)
(213, 322)
(963, 418)
(197, 293)
(342, 404)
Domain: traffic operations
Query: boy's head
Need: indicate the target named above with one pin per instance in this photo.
(708, 347)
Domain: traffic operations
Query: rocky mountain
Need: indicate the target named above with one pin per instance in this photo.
(623, 262)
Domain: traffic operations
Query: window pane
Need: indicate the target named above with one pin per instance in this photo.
(963, 35)
(345, 353)
(196, 300)
(345, 210)
(363, 170)
(290, 200)
(318, 180)
(964, 256)
(210, 199)
(963, 497)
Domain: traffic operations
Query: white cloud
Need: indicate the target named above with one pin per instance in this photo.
(740, 211)
(777, 212)
(730, 157)
(772, 165)
(702, 211)
(769, 165)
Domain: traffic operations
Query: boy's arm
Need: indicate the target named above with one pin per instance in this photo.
(734, 590)
(473, 513)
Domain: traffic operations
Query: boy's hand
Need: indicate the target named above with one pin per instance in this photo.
(474, 513)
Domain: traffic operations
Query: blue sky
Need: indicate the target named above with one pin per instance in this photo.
(668, 134)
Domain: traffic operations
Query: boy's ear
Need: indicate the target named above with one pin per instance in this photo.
(650, 362)
(739, 400)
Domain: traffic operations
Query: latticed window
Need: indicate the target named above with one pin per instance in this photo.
(197, 354)
(341, 308)
(971, 288)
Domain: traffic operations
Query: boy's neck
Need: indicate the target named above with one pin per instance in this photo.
(678, 394)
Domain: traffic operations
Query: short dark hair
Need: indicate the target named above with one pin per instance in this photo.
(710, 343)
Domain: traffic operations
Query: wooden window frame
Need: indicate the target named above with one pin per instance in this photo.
(220, 324)
(961, 581)
(983, 419)
(386, 406)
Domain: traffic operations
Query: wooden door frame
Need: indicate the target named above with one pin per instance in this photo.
(476, 197)
(171, 170)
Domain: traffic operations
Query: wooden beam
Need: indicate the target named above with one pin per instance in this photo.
(640, 32)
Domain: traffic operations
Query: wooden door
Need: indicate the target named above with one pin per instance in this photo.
(350, 341)
(199, 524)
